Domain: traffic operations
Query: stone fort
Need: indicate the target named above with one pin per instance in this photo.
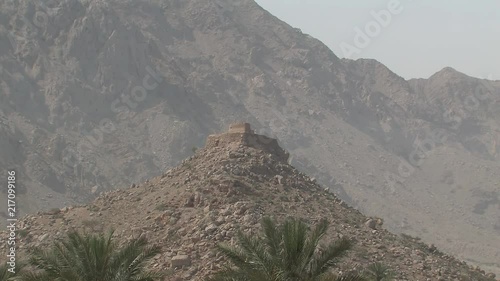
(242, 134)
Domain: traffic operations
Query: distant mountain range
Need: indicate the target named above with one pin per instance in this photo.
(97, 95)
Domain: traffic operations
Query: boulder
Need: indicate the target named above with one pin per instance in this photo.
(181, 260)
(371, 223)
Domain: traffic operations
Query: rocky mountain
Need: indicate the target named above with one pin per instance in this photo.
(230, 184)
(102, 94)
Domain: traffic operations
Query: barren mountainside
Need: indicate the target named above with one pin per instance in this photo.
(97, 95)
(229, 185)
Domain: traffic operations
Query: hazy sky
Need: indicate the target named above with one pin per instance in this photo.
(414, 39)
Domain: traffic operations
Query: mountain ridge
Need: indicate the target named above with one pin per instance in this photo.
(77, 124)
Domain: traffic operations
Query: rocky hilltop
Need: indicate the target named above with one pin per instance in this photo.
(230, 184)
(103, 94)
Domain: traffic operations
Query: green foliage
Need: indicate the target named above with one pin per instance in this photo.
(161, 207)
(5, 275)
(22, 233)
(93, 208)
(92, 258)
(284, 198)
(379, 272)
(93, 224)
(289, 252)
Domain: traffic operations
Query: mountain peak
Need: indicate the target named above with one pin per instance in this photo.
(448, 69)
(449, 72)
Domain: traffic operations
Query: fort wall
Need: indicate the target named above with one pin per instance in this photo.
(242, 134)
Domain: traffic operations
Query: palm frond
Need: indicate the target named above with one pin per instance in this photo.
(230, 274)
(294, 239)
(350, 277)
(284, 253)
(272, 235)
(379, 272)
(93, 257)
(327, 259)
(5, 274)
(312, 244)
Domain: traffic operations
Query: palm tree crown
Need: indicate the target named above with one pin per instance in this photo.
(92, 258)
(379, 272)
(289, 252)
(5, 274)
